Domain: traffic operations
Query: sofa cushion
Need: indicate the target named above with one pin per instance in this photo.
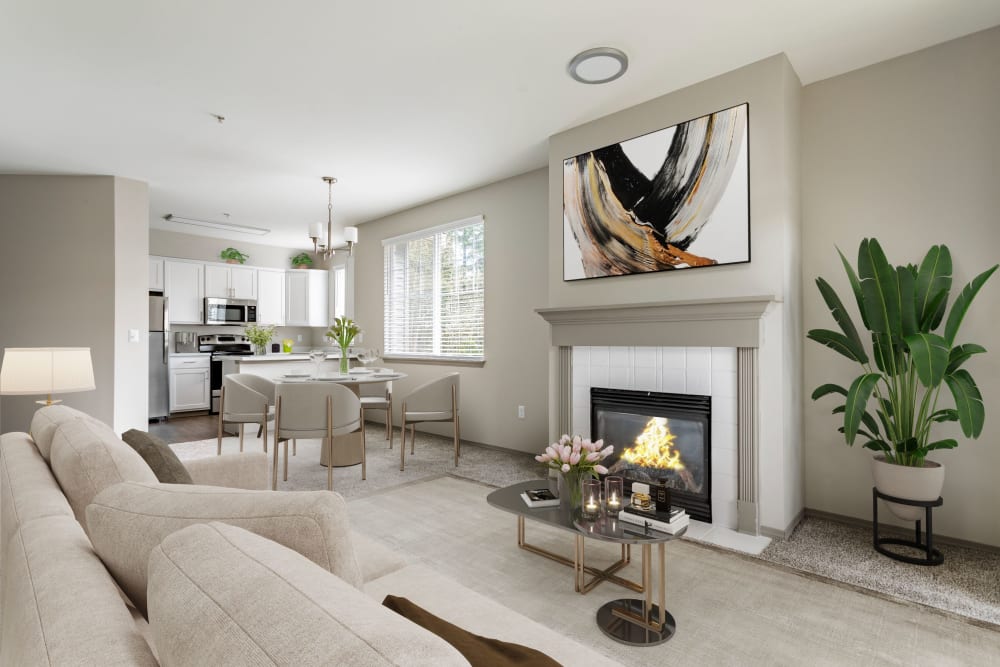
(127, 520)
(27, 488)
(477, 650)
(45, 421)
(221, 595)
(158, 456)
(88, 458)
(60, 607)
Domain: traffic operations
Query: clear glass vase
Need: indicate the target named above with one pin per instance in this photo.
(571, 491)
(345, 362)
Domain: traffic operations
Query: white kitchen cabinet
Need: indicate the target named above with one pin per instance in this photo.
(184, 285)
(190, 383)
(230, 282)
(271, 296)
(306, 298)
(156, 274)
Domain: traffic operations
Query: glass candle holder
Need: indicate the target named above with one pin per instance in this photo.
(614, 488)
(591, 508)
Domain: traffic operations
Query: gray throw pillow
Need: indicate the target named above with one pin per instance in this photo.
(158, 456)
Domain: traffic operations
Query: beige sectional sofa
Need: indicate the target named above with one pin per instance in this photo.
(100, 564)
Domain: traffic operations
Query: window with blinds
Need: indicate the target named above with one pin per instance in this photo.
(434, 292)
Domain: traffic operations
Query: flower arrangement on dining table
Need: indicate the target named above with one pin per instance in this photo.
(342, 332)
(576, 458)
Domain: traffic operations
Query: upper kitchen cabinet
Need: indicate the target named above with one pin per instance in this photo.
(306, 298)
(230, 282)
(271, 296)
(156, 274)
(184, 285)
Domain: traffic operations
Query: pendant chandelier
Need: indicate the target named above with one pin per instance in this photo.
(325, 250)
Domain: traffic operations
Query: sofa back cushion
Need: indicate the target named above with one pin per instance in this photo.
(158, 456)
(127, 521)
(221, 595)
(87, 458)
(47, 419)
(27, 488)
(60, 607)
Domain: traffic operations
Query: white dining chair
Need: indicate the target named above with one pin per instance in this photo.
(246, 399)
(434, 401)
(315, 410)
(377, 396)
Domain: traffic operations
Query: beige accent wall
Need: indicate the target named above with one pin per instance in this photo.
(516, 368)
(60, 277)
(773, 91)
(906, 151)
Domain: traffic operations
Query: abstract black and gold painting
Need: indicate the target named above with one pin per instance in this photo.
(676, 198)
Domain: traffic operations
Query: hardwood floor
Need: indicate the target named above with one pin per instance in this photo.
(186, 428)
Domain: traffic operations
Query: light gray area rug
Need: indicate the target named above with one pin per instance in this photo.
(967, 583)
(730, 609)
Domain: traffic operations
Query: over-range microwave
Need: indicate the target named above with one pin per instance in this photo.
(230, 311)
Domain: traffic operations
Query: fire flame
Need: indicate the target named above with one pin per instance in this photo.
(654, 447)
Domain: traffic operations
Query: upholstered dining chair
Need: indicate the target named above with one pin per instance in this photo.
(315, 410)
(246, 399)
(377, 396)
(434, 401)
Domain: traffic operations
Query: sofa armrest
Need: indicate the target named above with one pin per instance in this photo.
(126, 521)
(248, 470)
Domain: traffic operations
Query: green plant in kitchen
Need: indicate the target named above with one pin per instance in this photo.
(902, 308)
(302, 261)
(233, 256)
(259, 337)
(342, 333)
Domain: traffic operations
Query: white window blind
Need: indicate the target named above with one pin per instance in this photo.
(434, 292)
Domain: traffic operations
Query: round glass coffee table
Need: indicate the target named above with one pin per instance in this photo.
(639, 622)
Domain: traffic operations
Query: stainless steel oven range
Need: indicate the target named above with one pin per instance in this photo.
(224, 348)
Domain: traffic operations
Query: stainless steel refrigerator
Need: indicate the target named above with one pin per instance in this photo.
(159, 341)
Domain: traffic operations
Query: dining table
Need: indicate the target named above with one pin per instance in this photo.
(347, 449)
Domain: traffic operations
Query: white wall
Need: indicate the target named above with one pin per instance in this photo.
(906, 151)
(207, 248)
(772, 89)
(516, 368)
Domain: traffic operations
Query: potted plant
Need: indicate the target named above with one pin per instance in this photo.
(342, 333)
(233, 256)
(302, 261)
(260, 337)
(909, 362)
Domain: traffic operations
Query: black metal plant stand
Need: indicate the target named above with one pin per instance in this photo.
(933, 556)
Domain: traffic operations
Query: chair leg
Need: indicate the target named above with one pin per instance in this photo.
(364, 462)
(295, 446)
(388, 424)
(241, 437)
(458, 442)
(286, 460)
(277, 423)
(222, 399)
(329, 443)
(263, 430)
(260, 429)
(402, 441)
(413, 438)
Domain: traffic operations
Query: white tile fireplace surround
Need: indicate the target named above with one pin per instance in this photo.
(705, 371)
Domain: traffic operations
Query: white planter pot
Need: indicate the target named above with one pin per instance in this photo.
(908, 482)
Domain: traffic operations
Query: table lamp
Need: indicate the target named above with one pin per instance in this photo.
(46, 370)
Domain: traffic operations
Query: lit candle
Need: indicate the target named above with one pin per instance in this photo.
(614, 503)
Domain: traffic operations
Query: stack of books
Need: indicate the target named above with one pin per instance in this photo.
(542, 497)
(666, 522)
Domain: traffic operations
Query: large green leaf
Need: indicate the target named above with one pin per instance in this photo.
(857, 403)
(879, 446)
(949, 443)
(944, 415)
(960, 354)
(828, 388)
(839, 342)
(932, 286)
(930, 357)
(855, 286)
(888, 355)
(968, 402)
(842, 317)
(962, 304)
(866, 419)
(879, 289)
(907, 307)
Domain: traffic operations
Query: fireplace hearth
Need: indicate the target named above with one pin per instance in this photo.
(658, 436)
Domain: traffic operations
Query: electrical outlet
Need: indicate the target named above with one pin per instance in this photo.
(299, 337)
(520, 412)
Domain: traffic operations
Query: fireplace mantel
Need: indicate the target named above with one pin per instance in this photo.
(731, 322)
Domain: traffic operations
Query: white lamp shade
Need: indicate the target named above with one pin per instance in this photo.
(351, 234)
(46, 370)
(316, 230)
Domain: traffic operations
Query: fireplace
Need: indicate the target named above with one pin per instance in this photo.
(658, 436)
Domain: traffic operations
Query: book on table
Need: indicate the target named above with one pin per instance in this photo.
(671, 528)
(675, 514)
(541, 497)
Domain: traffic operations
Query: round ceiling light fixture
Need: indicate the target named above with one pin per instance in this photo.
(599, 65)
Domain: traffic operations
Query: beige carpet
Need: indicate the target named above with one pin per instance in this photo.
(730, 609)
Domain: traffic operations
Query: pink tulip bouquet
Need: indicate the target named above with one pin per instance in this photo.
(576, 454)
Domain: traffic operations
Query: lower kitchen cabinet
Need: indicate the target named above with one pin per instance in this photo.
(190, 383)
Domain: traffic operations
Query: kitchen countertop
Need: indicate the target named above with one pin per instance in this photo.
(187, 354)
(294, 356)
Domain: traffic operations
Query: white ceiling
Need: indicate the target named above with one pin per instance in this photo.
(402, 101)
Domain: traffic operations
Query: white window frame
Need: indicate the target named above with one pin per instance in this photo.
(426, 233)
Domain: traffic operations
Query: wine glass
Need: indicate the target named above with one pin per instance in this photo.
(366, 355)
(317, 357)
